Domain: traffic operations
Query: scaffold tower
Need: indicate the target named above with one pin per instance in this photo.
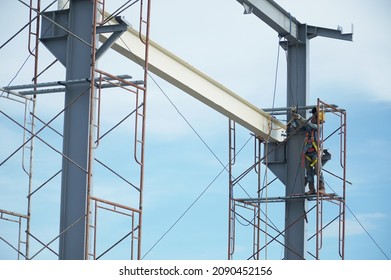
(71, 33)
(251, 203)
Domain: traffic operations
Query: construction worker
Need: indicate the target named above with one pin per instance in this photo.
(311, 151)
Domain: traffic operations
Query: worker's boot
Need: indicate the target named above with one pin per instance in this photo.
(321, 188)
(312, 188)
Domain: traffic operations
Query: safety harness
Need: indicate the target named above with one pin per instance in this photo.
(310, 139)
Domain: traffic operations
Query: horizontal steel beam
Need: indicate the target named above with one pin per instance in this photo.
(5, 212)
(190, 80)
(313, 31)
(311, 197)
(59, 86)
(285, 24)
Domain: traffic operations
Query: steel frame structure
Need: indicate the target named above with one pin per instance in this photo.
(77, 49)
(296, 44)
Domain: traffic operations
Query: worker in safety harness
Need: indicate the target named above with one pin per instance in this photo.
(311, 151)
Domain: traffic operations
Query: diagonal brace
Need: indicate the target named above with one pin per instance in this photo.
(117, 31)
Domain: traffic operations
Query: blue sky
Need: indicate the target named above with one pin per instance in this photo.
(240, 52)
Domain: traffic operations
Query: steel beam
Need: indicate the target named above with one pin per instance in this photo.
(60, 86)
(314, 31)
(70, 41)
(187, 78)
(285, 24)
(275, 16)
(297, 95)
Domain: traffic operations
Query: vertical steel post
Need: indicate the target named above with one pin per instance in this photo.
(295, 236)
(343, 164)
(319, 197)
(231, 202)
(257, 206)
(33, 41)
(143, 113)
(76, 131)
(91, 129)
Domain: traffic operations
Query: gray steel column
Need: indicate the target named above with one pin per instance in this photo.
(76, 132)
(295, 235)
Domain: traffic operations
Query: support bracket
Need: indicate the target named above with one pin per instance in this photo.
(117, 31)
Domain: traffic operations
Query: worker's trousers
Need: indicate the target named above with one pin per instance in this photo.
(311, 167)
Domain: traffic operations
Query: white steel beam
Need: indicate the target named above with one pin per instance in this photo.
(275, 16)
(190, 80)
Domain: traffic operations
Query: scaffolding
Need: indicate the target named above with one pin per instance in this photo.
(248, 207)
(262, 196)
(102, 209)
